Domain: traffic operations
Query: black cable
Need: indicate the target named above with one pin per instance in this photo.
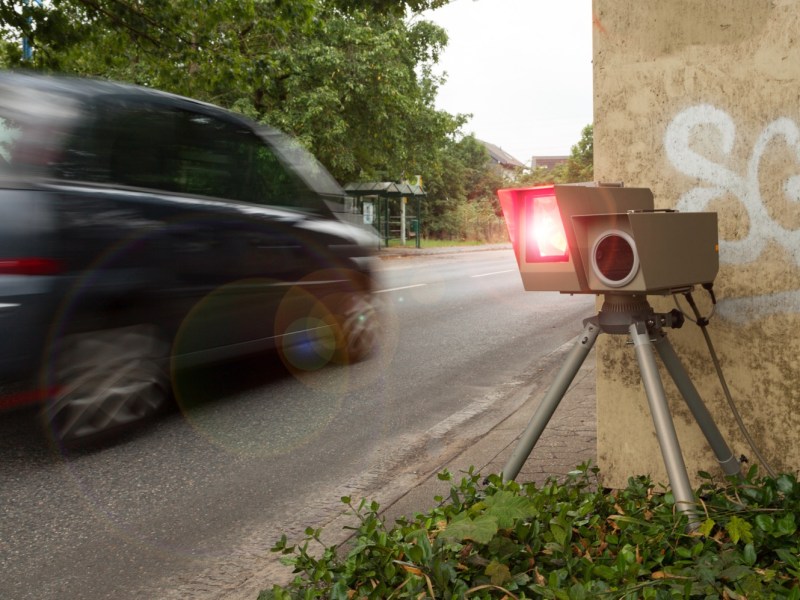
(688, 318)
(702, 322)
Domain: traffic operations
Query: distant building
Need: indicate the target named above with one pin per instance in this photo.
(502, 159)
(548, 162)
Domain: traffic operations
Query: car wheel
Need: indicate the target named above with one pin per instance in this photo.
(105, 381)
(358, 327)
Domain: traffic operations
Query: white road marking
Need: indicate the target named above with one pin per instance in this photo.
(405, 287)
(493, 273)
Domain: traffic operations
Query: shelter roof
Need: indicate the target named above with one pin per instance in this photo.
(387, 189)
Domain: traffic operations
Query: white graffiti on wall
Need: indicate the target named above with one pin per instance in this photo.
(718, 181)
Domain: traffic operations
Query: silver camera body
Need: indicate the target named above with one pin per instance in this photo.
(600, 239)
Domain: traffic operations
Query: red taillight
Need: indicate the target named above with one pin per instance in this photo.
(29, 266)
(546, 240)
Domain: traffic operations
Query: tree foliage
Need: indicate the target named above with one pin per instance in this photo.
(392, 7)
(461, 188)
(351, 79)
(578, 167)
(357, 96)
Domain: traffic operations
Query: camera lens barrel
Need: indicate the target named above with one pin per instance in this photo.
(615, 260)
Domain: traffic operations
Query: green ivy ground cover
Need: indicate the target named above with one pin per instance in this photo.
(568, 539)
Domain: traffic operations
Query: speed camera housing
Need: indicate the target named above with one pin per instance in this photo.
(590, 238)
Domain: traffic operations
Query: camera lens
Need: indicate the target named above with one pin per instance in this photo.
(614, 258)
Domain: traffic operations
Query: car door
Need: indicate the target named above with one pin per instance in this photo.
(234, 175)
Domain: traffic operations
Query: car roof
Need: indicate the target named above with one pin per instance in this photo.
(61, 97)
(83, 90)
(84, 87)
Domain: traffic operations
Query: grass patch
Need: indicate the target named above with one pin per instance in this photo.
(436, 243)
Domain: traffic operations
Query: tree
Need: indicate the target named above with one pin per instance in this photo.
(360, 93)
(196, 47)
(463, 182)
(351, 79)
(578, 167)
(392, 7)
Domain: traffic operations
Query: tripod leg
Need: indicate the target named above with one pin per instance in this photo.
(727, 460)
(665, 428)
(551, 400)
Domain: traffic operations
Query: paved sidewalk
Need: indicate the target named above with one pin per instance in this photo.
(569, 439)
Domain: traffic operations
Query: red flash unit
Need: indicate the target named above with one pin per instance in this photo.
(547, 240)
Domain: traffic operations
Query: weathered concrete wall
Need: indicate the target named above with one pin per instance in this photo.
(700, 101)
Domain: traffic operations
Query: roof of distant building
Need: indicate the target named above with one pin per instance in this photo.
(500, 156)
(547, 162)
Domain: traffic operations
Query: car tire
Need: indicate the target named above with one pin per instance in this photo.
(105, 381)
(357, 327)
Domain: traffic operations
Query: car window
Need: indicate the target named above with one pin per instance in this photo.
(301, 161)
(33, 125)
(218, 158)
(117, 144)
(167, 148)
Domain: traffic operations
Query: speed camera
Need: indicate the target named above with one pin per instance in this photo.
(588, 238)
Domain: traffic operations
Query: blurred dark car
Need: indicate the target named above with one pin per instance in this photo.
(142, 232)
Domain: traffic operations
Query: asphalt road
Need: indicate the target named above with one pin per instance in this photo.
(189, 507)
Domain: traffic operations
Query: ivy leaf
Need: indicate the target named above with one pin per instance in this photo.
(785, 525)
(706, 527)
(734, 573)
(739, 529)
(577, 592)
(788, 557)
(786, 483)
(498, 573)
(765, 523)
(605, 572)
(508, 508)
(340, 591)
(560, 534)
(420, 538)
(480, 530)
(750, 556)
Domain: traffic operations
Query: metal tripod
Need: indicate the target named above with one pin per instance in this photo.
(633, 315)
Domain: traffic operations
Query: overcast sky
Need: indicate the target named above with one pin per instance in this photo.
(522, 68)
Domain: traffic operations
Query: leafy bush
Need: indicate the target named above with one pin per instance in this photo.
(469, 221)
(568, 540)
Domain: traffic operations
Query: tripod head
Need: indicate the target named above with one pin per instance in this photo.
(619, 311)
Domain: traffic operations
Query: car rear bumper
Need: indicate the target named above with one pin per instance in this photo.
(26, 314)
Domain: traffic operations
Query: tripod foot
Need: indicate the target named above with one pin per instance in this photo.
(665, 428)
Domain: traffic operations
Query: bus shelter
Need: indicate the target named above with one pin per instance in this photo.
(394, 209)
